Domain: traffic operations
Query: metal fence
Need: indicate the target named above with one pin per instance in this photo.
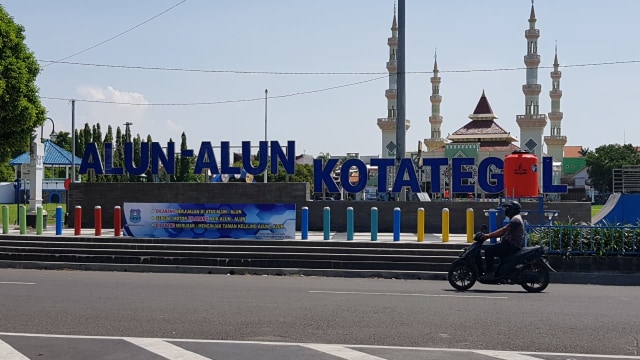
(585, 239)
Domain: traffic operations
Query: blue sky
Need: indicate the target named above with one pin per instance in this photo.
(329, 36)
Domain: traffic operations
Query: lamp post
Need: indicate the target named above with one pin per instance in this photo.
(53, 134)
(266, 96)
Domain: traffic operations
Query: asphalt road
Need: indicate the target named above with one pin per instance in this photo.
(582, 319)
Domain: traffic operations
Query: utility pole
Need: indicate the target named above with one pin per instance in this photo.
(401, 103)
(73, 141)
(266, 94)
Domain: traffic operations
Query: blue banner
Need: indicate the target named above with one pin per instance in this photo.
(210, 221)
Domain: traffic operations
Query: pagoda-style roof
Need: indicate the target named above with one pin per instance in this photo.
(482, 127)
(483, 110)
(53, 155)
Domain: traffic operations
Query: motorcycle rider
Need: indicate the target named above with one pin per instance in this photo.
(511, 238)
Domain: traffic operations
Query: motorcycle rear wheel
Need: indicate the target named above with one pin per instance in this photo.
(538, 271)
(462, 275)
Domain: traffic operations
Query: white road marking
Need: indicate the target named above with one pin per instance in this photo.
(16, 283)
(272, 343)
(165, 349)
(342, 352)
(406, 294)
(9, 353)
(505, 355)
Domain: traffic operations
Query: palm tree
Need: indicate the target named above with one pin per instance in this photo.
(583, 151)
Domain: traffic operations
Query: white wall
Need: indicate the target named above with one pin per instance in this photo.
(7, 193)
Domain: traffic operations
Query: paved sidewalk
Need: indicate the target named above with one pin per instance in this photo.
(313, 235)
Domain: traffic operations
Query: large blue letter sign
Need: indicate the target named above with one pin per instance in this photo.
(458, 175)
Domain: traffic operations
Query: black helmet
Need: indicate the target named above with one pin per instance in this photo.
(511, 208)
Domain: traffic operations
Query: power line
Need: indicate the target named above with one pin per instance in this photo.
(248, 72)
(116, 36)
(211, 71)
(217, 102)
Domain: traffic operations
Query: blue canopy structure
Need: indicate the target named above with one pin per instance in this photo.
(54, 155)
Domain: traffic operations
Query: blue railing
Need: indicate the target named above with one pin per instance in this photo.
(622, 240)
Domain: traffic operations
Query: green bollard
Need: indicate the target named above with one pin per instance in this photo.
(39, 215)
(5, 219)
(23, 219)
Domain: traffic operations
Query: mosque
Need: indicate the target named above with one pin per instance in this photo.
(482, 136)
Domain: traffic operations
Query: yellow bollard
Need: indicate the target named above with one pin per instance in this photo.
(420, 224)
(470, 225)
(445, 225)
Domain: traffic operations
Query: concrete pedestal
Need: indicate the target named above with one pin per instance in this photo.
(31, 219)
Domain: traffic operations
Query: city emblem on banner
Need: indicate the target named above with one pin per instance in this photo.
(135, 215)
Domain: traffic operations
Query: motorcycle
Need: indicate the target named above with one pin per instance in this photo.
(528, 268)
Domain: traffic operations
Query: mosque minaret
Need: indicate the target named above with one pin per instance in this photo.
(555, 141)
(436, 140)
(388, 124)
(532, 123)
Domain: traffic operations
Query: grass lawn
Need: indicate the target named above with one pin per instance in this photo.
(49, 208)
(595, 209)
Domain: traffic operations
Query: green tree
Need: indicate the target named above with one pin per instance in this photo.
(20, 109)
(150, 176)
(108, 138)
(137, 145)
(324, 157)
(182, 171)
(118, 155)
(63, 139)
(604, 159)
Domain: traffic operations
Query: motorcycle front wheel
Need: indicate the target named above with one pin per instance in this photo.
(535, 277)
(462, 275)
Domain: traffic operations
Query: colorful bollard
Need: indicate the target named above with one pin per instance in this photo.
(77, 220)
(349, 223)
(396, 224)
(420, 224)
(326, 217)
(445, 225)
(59, 220)
(39, 216)
(5, 219)
(22, 215)
(493, 223)
(117, 221)
(97, 219)
(470, 225)
(374, 224)
(304, 223)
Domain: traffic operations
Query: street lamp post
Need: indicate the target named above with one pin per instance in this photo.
(53, 134)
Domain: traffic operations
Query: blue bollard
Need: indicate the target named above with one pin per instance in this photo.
(59, 219)
(493, 223)
(304, 223)
(349, 223)
(396, 224)
(374, 224)
(326, 217)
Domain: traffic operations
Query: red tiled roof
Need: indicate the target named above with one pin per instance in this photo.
(572, 151)
(480, 128)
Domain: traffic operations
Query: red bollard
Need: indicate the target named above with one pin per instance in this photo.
(77, 220)
(97, 219)
(117, 221)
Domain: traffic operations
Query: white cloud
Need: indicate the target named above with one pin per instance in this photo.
(112, 114)
(111, 94)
